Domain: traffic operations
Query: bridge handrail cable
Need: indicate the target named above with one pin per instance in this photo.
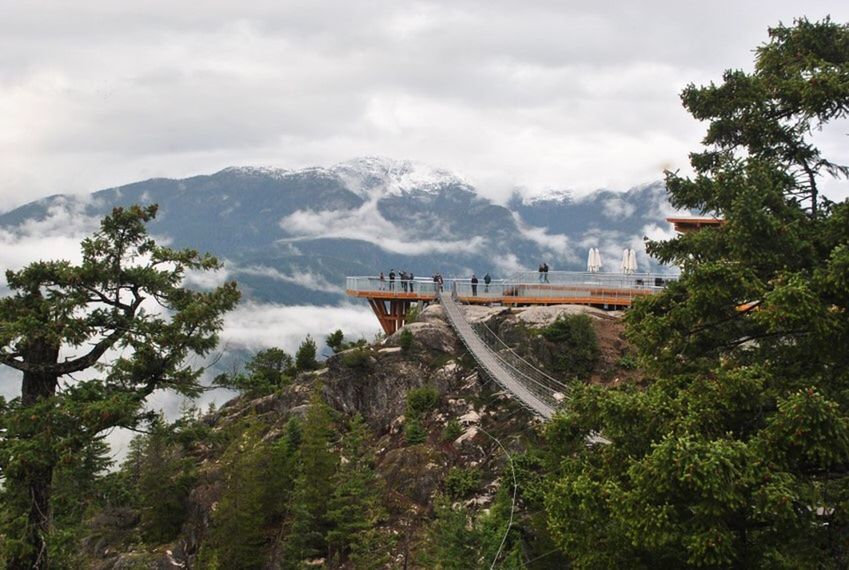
(542, 393)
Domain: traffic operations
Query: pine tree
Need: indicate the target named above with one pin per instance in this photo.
(305, 356)
(165, 479)
(313, 487)
(354, 509)
(736, 454)
(452, 543)
(239, 538)
(56, 309)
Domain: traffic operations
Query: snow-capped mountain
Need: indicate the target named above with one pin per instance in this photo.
(291, 236)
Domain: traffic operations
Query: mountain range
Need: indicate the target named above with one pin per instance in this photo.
(291, 236)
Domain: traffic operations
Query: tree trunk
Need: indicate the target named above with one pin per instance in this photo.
(34, 484)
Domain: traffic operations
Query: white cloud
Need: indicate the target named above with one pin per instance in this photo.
(617, 209)
(56, 236)
(256, 325)
(366, 223)
(306, 279)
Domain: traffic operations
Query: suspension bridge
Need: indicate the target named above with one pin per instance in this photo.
(534, 389)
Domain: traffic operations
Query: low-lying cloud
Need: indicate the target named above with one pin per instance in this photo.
(367, 224)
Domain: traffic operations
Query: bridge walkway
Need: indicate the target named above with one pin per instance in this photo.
(535, 390)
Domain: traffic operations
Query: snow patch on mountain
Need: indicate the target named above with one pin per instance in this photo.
(372, 175)
(259, 171)
(556, 196)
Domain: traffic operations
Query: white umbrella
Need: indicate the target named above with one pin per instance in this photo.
(597, 257)
(624, 265)
(591, 261)
(632, 261)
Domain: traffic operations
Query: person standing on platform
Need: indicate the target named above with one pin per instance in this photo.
(411, 277)
(541, 270)
(486, 281)
(391, 279)
(545, 271)
(382, 279)
(474, 285)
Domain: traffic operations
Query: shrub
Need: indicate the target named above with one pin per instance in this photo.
(414, 431)
(627, 362)
(452, 430)
(356, 358)
(580, 350)
(335, 340)
(412, 314)
(460, 482)
(305, 357)
(405, 340)
(421, 400)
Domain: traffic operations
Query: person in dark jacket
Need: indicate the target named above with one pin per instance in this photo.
(391, 279)
(486, 281)
(474, 285)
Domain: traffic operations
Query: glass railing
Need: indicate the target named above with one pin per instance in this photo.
(396, 287)
(560, 285)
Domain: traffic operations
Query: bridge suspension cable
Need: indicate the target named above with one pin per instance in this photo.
(534, 389)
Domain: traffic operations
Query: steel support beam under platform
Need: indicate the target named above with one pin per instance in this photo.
(392, 313)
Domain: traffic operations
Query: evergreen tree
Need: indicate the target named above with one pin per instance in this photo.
(284, 470)
(239, 536)
(79, 488)
(737, 452)
(451, 542)
(61, 319)
(165, 478)
(267, 371)
(305, 356)
(354, 508)
(335, 340)
(313, 487)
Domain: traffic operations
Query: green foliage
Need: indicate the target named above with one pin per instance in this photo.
(461, 482)
(266, 372)
(335, 340)
(305, 356)
(421, 400)
(450, 542)
(412, 314)
(337, 343)
(359, 358)
(451, 431)
(354, 508)
(256, 498)
(627, 362)
(273, 366)
(78, 490)
(736, 454)
(414, 431)
(579, 345)
(165, 478)
(313, 486)
(457, 539)
(405, 340)
(81, 312)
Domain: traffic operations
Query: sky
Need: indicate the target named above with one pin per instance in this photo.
(547, 95)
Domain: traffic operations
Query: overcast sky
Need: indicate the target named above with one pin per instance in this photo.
(541, 95)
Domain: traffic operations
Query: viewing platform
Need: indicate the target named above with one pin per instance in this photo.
(391, 300)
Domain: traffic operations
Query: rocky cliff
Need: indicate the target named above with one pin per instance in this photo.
(474, 427)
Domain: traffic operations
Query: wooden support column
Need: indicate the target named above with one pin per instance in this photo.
(392, 317)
